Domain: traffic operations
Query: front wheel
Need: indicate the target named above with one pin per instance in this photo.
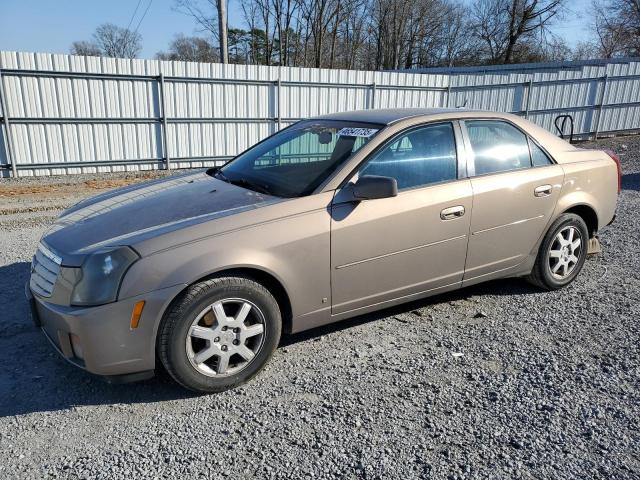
(219, 334)
(562, 253)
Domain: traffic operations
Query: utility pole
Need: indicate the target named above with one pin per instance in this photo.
(222, 30)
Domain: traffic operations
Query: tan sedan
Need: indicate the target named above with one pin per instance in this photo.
(327, 219)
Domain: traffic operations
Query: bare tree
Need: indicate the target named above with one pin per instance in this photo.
(250, 13)
(489, 25)
(190, 49)
(505, 25)
(457, 47)
(262, 9)
(439, 34)
(109, 40)
(617, 27)
(383, 34)
(353, 35)
(320, 17)
(283, 12)
(115, 41)
(584, 50)
(417, 33)
(89, 49)
(211, 16)
(395, 34)
(556, 50)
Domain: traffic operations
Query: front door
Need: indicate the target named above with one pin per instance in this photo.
(401, 246)
(515, 190)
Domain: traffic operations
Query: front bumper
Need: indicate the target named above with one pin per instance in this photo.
(108, 345)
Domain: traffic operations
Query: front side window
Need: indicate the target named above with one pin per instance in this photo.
(420, 157)
(497, 146)
(295, 161)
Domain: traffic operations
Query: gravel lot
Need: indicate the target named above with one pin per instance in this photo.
(547, 385)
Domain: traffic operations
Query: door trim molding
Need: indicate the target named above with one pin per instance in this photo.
(517, 222)
(411, 249)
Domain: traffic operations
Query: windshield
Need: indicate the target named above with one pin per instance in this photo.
(295, 161)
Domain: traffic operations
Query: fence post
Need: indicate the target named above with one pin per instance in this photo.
(373, 95)
(526, 107)
(600, 105)
(163, 130)
(279, 104)
(8, 146)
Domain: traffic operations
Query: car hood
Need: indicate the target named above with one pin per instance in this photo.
(131, 214)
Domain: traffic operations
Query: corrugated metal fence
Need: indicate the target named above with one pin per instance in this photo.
(68, 114)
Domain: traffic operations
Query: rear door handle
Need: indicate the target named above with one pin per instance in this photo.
(543, 190)
(452, 212)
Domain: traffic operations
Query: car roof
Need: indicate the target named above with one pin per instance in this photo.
(387, 116)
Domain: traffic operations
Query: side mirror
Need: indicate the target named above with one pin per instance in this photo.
(370, 187)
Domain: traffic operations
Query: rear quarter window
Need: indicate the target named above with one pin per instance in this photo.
(538, 157)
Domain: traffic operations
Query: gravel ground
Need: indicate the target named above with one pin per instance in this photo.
(494, 381)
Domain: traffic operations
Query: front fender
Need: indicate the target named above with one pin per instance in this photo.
(294, 249)
(173, 267)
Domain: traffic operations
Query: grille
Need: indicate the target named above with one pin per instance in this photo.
(44, 271)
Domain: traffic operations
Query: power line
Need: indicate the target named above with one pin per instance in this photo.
(142, 18)
(134, 14)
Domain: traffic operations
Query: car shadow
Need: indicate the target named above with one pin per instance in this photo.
(508, 286)
(34, 378)
(631, 181)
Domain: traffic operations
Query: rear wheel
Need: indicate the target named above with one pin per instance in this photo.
(219, 334)
(562, 253)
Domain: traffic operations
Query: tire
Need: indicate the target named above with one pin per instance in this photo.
(205, 339)
(549, 271)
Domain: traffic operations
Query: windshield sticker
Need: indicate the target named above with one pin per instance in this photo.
(357, 132)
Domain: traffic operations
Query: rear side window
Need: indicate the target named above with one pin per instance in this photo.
(497, 146)
(420, 157)
(538, 157)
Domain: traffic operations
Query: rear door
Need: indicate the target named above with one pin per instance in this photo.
(515, 190)
(415, 242)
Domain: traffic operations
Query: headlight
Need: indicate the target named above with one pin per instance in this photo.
(101, 275)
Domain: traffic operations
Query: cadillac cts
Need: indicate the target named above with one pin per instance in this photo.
(329, 218)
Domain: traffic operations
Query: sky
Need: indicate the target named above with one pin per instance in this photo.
(52, 25)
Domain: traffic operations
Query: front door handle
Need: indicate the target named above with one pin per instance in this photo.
(452, 212)
(543, 190)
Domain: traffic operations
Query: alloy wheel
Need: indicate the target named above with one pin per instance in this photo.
(564, 252)
(225, 337)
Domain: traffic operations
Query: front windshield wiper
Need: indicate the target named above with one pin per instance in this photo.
(218, 174)
(243, 182)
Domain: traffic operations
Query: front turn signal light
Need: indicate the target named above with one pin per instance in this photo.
(136, 314)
